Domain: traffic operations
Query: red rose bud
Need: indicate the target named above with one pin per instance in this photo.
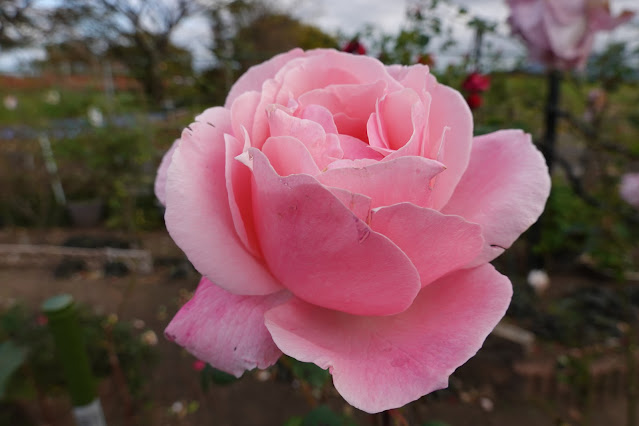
(476, 82)
(198, 365)
(355, 47)
(474, 100)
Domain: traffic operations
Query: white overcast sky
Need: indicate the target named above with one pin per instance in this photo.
(349, 16)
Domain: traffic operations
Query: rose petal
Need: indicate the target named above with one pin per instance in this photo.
(198, 215)
(449, 113)
(504, 189)
(160, 179)
(289, 156)
(243, 113)
(355, 149)
(396, 111)
(380, 363)
(323, 149)
(359, 204)
(226, 330)
(326, 67)
(322, 252)
(256, 75)
(320, 115)
(388, 182)
(351, 104)
(238, 186)
(436, 244)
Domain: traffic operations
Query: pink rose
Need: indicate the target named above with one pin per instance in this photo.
(629, 189)
(560, 34)
(341, 212)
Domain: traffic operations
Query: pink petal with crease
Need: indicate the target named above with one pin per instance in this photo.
(238, 186)
(359, 204)
(198, 215)
(320, 115)
(226, 330)
(380, 363)
(289, 156)
(389, 182)
(355, 149)
(504, 189)
(322, 252)
(436, 243)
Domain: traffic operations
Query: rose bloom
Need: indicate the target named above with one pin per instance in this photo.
(560, 34)
(476, 82)
(341, 212)
(629, 189)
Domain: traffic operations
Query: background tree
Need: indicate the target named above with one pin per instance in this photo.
(138, 34)
(248, 32)
(16, 18)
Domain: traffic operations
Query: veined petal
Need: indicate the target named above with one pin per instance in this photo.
(198, 214)
(504, 189)
(322, 252)
(226, 330)
(380, 363)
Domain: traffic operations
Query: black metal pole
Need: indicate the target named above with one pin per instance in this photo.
(548, 150)
(552, 116)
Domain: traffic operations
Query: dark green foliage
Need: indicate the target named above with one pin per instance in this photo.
(39, 370)
(321, 416)
(210, 375)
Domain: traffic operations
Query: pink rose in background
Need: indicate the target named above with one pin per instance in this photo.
(342, 213)
(560, 34)
(629, 189)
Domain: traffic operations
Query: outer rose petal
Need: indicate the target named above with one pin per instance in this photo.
(504, 189)
(321, 251)
(449, 113)
(258, 74)
(226, 330)
(160, 178)
(198, 215)
(379, 363)
(436, 244)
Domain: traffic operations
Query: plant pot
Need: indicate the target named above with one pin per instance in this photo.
(85, 214)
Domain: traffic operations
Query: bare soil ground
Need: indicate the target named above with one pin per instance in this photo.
(154, 299)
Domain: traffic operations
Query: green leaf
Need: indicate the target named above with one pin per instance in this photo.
(294, 421)
(213, 375)
(12, 357)
(309, 372)
(322, 416)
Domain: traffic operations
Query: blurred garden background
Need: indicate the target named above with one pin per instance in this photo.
(95, 91)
